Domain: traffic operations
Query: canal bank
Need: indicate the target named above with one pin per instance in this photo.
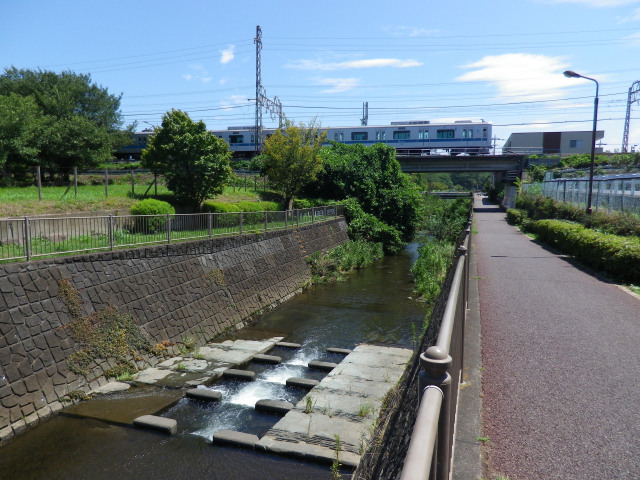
(361, 310)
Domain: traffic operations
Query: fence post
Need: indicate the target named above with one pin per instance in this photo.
(110, 229)
(313, 214)
(324, 213)
(106, 183)
(240, 220)
(298, 217)
(266, 221)
(39, 182)
(133, 192)
(435, 365)
(75, 182)
(168, 228)
(27, 235)
(210, 220)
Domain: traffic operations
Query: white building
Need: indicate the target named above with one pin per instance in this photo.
(563, 143)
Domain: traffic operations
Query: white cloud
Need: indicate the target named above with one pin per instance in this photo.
(199, 73)
(227, 54)
(233, 101)
(412, 32)
(521, 76)
(370, 63)
(338, 84)
(633, 39)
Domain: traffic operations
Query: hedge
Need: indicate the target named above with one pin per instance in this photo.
(616, 255)
(151, 206)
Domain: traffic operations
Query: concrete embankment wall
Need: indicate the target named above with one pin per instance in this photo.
(195, 289)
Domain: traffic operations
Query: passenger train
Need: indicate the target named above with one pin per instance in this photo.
(419, 137)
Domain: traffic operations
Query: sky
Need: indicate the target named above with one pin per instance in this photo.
(498, 60)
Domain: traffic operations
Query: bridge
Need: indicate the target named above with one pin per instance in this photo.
(509, 165)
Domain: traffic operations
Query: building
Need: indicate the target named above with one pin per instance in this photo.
(563, 143)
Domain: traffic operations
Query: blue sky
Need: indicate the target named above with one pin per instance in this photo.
(501, 61)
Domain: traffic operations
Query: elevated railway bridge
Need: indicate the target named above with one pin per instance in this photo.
(505, 167)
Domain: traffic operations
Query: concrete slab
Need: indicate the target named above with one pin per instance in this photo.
(318, 365)
(278, 407)
(271, 359)
(167, 425)
(288, 345)
(345, 403)
(236, 439)
(307, 383)
(344, 351)
(204, 394)
(111, 388)
(239, 374)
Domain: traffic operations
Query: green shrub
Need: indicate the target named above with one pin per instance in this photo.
(150, 206)
(515, 216)
(364, 226)
(613, 254)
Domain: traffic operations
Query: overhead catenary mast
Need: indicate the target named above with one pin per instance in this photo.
(634, 96)
(274, 107)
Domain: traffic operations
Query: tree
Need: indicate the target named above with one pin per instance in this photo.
(79, 122)
(20, 123)
(292, 159)
(194, 162)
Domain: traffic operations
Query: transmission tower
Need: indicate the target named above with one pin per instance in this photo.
(634, 96)
(274, 107)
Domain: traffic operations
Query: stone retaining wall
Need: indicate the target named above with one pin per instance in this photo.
(195, 289)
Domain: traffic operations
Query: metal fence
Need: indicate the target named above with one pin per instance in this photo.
(610, 192)
(431, 448)
(32, 237)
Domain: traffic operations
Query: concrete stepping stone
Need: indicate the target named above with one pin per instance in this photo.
(307, 383)
(204, 394)
(237, 439)
(318, 365)
(239, 374)
(343, 351)
(272, 359)
(288, 345)
(167, 425)
(278, 407)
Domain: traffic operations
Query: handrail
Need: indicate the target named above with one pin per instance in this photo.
(430, 449)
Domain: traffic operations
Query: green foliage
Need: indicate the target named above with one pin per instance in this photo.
(372, 176)
(445, 219)
(430, 269)
(613, 254)
(194, 162)
(516, 217)
(364, 226)
(65, 120)
(540, 207)
(291, 158)
(151, 206)
(343, 259)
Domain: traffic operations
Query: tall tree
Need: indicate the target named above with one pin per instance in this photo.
(80, 121)
(292, 158)
(194, 162)
(20, 122)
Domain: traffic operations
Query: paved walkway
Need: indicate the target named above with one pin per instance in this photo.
(561, 362)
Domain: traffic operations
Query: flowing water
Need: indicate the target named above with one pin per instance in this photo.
(373, 306)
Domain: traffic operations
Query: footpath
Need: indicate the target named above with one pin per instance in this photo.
(560, 362)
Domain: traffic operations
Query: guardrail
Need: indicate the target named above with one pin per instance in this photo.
(431, 448)
(33, 237)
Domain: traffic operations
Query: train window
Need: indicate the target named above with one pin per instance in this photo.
(484, 133)
(236, 139)
(420, 132)
(426, 134)
(253, 138)
(464, 133)
(359, 136)
(338, 136)
(401, 135)
(575, 143)
(381, 135)
(471, 133)
(445, 133)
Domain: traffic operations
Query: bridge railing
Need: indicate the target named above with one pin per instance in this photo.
(33, 237)
(431, 448)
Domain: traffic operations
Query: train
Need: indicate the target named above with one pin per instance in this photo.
(419, 137)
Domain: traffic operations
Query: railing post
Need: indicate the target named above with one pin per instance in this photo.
(210, 222)
(297, 217)
(27, 242)
(168, 228)
(75, 182)
(240, 221)
(38, 173)
(435, 365)
(313, 214)
(110, 230)
(266, 221)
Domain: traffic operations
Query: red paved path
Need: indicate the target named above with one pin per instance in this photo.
(561, 358)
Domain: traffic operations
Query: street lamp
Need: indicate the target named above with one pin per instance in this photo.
(571, 74)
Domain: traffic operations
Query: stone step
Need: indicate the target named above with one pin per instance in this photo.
(278, 407)
(204, 394)
(288, 345)
(272, 359)
(239, 374)
(237, 439)
(343, 351)
(167, 425)
(307, 383)
(318, 365)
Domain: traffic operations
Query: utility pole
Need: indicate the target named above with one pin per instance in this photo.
(273, 106)
(634, 96)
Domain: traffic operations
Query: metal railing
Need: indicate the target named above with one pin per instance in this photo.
(620, 192)
(431, 447)
(33, 237)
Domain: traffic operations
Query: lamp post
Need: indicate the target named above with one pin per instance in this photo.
(571, 74)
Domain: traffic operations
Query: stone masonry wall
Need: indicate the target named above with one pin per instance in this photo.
(195, 289)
